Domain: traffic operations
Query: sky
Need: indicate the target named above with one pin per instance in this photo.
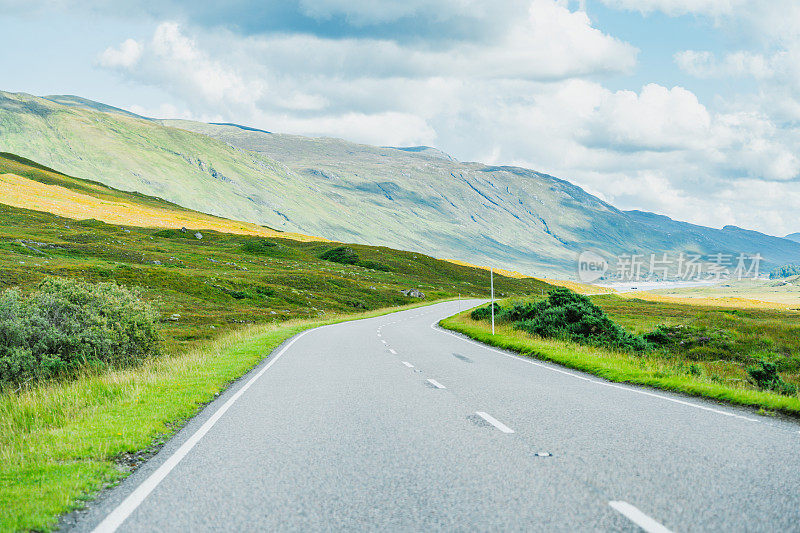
(688, 108)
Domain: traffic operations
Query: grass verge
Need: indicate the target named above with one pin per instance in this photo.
(62, 441)
(649, 370)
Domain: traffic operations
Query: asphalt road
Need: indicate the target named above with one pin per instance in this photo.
(391, 424)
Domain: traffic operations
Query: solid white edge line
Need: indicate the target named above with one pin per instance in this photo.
(409, 365)
(597, 382)
(637, 517)
(436, 384)
(115, 519)
(495, 422)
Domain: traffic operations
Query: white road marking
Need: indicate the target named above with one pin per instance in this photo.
(637, 517)
(590, 380)
(409, 365)
(135, 498)
(383, 341)
(495, 422)
(392, 352)
(436, 384)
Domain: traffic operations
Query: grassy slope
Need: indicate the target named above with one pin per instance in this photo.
(212, 283)
(650, 370)
(28, 185)
(61, 442)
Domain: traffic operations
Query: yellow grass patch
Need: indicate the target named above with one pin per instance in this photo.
(725, 301)
(25, 193)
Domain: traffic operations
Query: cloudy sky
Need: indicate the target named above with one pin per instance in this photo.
(689, 108)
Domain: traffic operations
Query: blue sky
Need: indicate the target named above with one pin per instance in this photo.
(684, 107)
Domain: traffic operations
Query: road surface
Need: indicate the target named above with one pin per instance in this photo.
(391, 424)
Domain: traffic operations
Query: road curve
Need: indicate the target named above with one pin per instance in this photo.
(392, 424)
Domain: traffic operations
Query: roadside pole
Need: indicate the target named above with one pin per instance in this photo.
(491, 281)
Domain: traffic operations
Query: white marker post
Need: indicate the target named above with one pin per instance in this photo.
(491, 281)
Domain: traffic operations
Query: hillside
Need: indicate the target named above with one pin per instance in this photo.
(411, 198)
(206, 285)
(793, 237)
(28, 185)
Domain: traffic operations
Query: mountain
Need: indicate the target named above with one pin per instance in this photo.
(414, 198)
(793, 237)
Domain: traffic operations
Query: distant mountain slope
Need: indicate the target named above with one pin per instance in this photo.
(793, 237)
(77, 101)
(412, 199)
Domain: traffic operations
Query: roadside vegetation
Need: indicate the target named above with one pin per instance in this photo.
(749, 357)
(64, 327)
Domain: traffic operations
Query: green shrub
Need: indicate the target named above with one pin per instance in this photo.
(374, 265)
(785, 271)
(66, 325)
(765, 376)
(168, 233)
(485, 312)
(259, 246)
(698, 343)
(570, 316)
(342, 254)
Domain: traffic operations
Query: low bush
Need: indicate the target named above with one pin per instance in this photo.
(569, 316)
(341, 254)
(67, 325)
(697, 343)
(785, 271)
(168, 233)
(374, 265)
(259, 246)
(485, 313)
(764, 375)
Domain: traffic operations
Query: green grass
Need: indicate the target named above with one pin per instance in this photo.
(743, 336)
(62, 441)
(222, 282)
(655, 369)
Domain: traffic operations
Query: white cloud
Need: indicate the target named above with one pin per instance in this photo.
(126, 55)
(528, 98)
(679, 7)
(655, 119)
(704, 64)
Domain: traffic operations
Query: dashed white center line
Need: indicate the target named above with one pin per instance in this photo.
(436, 384)
(637, 517)
(392, 352)
(409, 365)
(383, 341)
(495, 422)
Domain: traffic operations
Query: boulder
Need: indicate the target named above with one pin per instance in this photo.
(413, 293)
